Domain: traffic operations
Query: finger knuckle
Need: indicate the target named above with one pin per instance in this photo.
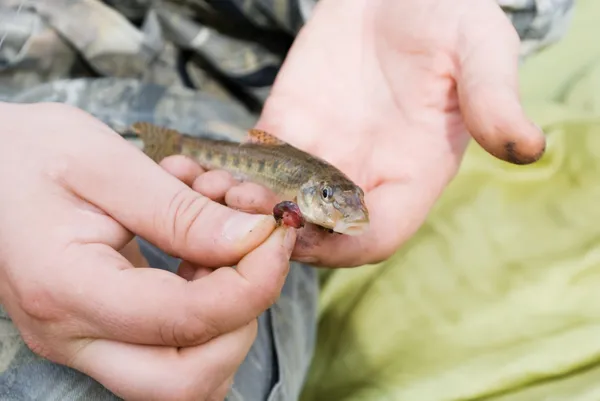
(46, 343)
(37, 301)
(186, 333)
(183, 386)
(204, 330)
(184, 209)
(193, 327)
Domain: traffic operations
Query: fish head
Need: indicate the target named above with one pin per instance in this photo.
(336, 204)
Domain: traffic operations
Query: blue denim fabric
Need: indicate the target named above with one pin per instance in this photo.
(273, 370)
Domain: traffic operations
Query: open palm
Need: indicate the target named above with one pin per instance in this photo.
(391, 92)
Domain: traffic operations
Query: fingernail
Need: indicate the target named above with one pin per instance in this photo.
(242, 224)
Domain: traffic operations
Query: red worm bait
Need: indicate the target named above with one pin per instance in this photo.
(289, 214)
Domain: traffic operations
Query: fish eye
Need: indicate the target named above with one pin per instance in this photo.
(327, 193)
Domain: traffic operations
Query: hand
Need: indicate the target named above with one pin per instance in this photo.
(73, 191)
(388, 91)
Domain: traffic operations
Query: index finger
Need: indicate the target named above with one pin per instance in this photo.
(152, 306)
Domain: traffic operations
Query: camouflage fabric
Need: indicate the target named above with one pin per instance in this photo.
(201, 66)
(538, 22)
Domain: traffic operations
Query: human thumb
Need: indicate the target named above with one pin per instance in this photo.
(114, 176)
(487, 83)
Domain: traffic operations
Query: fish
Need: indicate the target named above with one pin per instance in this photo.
(325, 196)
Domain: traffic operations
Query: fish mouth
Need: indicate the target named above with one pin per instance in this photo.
(351, 228)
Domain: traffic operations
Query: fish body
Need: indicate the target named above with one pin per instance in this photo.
(324, 195)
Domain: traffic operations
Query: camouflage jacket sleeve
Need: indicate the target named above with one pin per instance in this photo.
(174, 55)
(538, 22)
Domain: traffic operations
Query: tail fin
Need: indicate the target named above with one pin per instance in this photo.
(159, 142)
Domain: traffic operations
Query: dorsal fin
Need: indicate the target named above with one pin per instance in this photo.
(263, 137)
(145, 129)
(159, 142)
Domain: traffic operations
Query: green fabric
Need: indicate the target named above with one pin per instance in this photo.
(497, 297)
